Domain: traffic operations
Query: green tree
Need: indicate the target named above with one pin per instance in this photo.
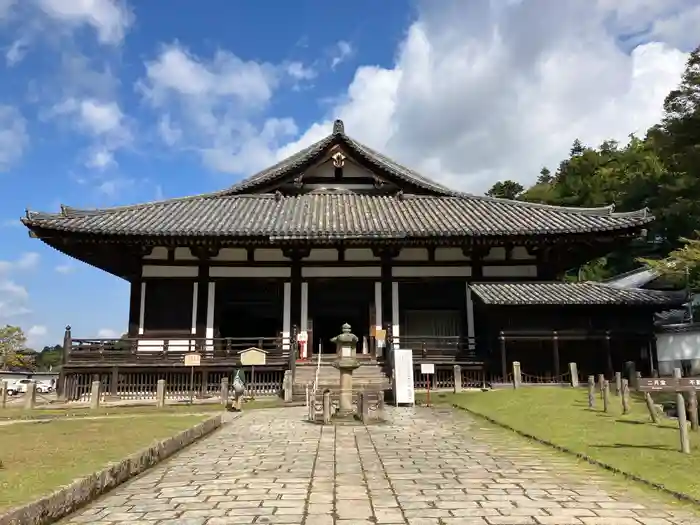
(49, 358)
(506, 189)
(12, 342)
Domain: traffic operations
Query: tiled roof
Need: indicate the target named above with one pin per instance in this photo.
(244, 210)
(335, 215)
(311, 154)
(561, 293)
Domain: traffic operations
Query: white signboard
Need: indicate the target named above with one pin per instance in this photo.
(403, 377)
(303, 337)
(192, 359)
(427, 368)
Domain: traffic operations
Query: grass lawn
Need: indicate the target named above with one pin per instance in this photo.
(40, 457)
(45, 413)
(630, 443)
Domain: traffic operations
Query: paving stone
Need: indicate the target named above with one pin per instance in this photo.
(424, 467)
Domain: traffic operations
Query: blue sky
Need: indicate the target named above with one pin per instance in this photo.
(107, 102)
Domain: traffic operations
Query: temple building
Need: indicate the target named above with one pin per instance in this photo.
(339, 233)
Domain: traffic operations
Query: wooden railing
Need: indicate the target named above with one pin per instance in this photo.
(441, 349)
(171, 350)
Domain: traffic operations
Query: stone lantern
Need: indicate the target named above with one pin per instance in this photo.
(346, 363)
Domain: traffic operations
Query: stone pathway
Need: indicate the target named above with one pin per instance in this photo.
(423, 467)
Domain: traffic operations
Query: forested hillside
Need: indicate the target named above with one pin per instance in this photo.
(660, 171)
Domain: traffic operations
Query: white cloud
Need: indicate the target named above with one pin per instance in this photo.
(65, 268)
(109, 18)
(14, 298)
(214, 107)
(36, 336)
(481, 92)
(107, 333)
(102, 121)
(13, 136)
(341, 52)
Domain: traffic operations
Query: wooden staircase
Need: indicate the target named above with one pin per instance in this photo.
(368, 377)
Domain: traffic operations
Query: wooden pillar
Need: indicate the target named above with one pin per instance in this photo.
(504, 362)
(608, 355)
(295, 302)
(65, 358)
(386, 312)
(134, 307)
(555, 354)
(202, 301)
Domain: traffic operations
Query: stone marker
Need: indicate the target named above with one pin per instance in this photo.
(160, 393)
(30, 396)
(573, 370)
(591, 391)
(618, 383)
(364, 414)
(224, 391)
(326, 407)
(601, 380)
(517, 375)
(95, 395)
(693, 409)
(606, 395)
(625, 396)
(682, 420)
(3, 394)
(458, 378)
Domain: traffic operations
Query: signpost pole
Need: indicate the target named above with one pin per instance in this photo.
(191, 385)
(682, 420)
(428, 399)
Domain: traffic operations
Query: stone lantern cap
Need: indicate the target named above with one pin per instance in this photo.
(346, 348)
(346, 337)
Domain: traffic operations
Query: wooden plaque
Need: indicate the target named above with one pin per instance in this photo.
(253, 356)
(193, 359)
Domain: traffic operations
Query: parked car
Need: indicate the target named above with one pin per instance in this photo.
(20, 386)
(11, 389)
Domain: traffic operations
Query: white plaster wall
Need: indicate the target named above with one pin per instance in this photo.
(510, 271)
(450, 254)
(672, 348)
(231, 255)
(341, 271)
(174, 345)
(269, 255)
(413, 254)
(520, 253)
(184, 254)
(322, 255)
(360, 254)
(159, 253)
(431, 271)
(249, 271)
(169, 271)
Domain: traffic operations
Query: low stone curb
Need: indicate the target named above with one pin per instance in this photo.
(68, 499)
(588, 459)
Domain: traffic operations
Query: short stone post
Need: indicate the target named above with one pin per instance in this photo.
(517, 375)
(326, 407)
(591, 391)
(693, 409)
(682, 420)
(160, 393)
(618, 383)
(287, 386)
(95, 395)
(458, 378)
(30, 396)
(606, 395)
(364, 415)
(625, 396)
(224, 391)
(3, 394)
(573, 370)
(601, 380)
(312, 407)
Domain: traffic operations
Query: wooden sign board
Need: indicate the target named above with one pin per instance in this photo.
(193, 359)
(253, 356)
(380, 334)
(668, 384)
(427, 368)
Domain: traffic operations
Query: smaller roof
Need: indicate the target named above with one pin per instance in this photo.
(562, 293)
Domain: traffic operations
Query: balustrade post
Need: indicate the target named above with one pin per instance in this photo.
(65, 358)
